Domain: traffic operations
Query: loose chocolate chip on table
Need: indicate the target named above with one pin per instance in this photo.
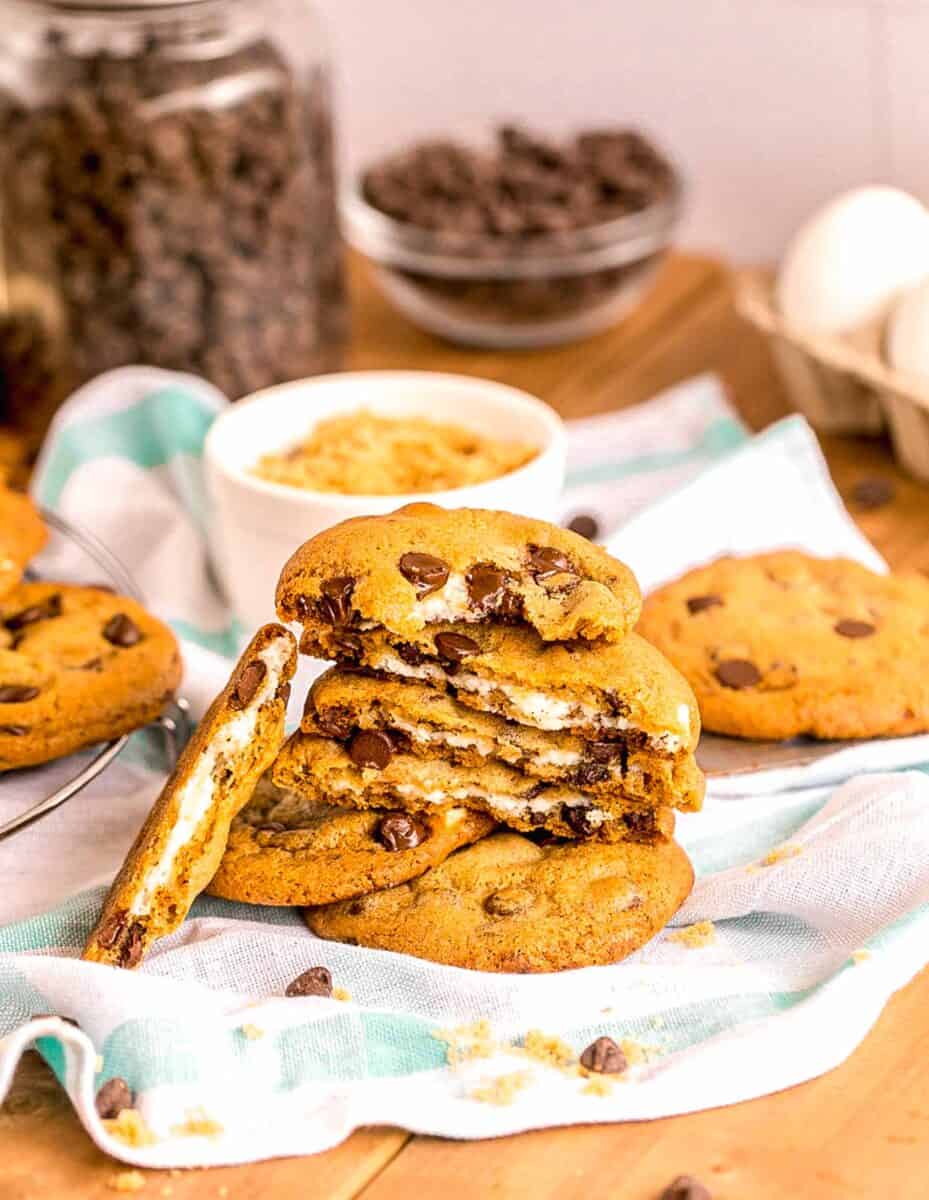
(249, 681)
(48, 608)
(738, 673)
(113, 1097)
(120, 630)
(873, 492)
(584, 525)
(455, 647)
(335, 599)
(485, 583)
(604, 1057)
(14, 730)
(509, 901)
(424, 571)
(371, 748)
(685, 1187)
(401, 831)
(546, 561)
(317, 981)
(17, 693)
(699, 604)
(577, 816)
(854, 629)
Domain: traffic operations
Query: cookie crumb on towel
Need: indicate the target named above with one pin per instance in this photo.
(503, 1089)
(197, 1124)
(130, 1128)
(703, 933)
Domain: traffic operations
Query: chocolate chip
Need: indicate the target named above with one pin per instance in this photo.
(250, 680)
(335, 598)
(317, 981)
(485, 584)
(873, 492)
(120, 630)
(604, 1057)
(348, 647)
(371, 748)
(272, 827)
(509, 607)
(426, 572)
(585, 525)
(401, 831)
(283, 693)
(132, 948)
(509, 901)
(738, 673)
(112, 1098)
(590, 773)
(411, 655)
(854, 629)
(577, 816)
(455, 647)
(17, 693)
(546, 561)
(686, 1187)
(335, 722)
(110, 930)
(45, 610)
(699, 604)
(605, 752)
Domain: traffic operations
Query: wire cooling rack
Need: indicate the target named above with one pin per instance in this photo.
(173, 723)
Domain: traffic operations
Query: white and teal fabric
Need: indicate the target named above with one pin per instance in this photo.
(809, 943)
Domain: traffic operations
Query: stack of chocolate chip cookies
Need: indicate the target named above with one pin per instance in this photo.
(487, 676)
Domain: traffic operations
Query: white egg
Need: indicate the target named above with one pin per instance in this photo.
(846, 265)
(908, 332)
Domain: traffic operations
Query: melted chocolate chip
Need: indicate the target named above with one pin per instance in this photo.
(250, 680)
(424, 571)
(371, 748)
(686, 1187)
(854, 629)
(455, 647)
(738, 673)
(112, 1098)
(272, 827)
(577, 817)
(640, 825)
(411, 655)
(317, 981)
(335, 722)
(699, 604)
(485, 585)
(590, 773)
(45, 610)
(509, 607)
(546, 561)
(132, 949)
(121, 631)
(402, 741)
(17, 693)
(348, 647)
(585, 525)
(400, 831)
(110, 930)
(606, 752)
(334, 604)
(14, 730)
(873, 492)
(604, 1057)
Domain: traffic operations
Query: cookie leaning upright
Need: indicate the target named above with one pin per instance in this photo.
(179, 847)
(22, 536)
(423, 564)
(782, 644)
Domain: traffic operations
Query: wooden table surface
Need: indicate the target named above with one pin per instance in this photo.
(862, 1130)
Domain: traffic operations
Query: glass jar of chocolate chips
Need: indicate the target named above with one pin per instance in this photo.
(166, 195)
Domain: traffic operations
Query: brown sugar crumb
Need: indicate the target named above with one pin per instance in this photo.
(703, 933)
(548, 1049)
(126, 1181)
(130, 1128)
(860, 956)
(598, 1085)
(503, 1089)
(466, 1042)
(252, 1032)
(341, 994)
(361, 453)
(197, 1124)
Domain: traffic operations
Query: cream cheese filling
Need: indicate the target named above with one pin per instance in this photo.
(450, 602)
(195, 796)
(538, 708)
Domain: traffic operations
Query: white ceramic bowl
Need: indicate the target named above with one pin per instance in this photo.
(257, 525)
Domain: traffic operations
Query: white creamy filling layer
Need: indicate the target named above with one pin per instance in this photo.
(429, 737)
(450, 603)
(196, 794)
(539, 709)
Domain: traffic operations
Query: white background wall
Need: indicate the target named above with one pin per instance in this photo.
(769, 105)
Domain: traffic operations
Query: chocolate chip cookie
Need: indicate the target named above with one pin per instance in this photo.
(413, 569)
(370, 773)
(22, 536)
(509, 904)
(179, 847)
(378, 716)
(783, 644)
(78, 665)
(286, 849)
(619, 691)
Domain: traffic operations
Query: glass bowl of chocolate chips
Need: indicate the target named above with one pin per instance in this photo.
(524, 241)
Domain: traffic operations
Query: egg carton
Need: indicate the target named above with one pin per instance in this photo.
(842, 384)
